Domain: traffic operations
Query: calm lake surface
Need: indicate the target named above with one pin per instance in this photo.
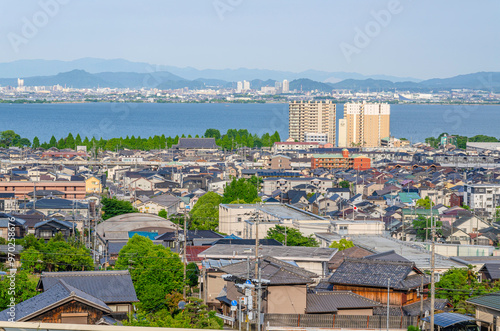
(108, 120)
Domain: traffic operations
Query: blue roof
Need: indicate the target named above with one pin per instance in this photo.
(406, 197)
(150, 235)
(232, 236)
(448, 319)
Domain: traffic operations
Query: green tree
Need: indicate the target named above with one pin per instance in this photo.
(344, 184)
(36, 142)
(154, 269)
(163, 213)
(32, 260)
(8, 138)
(212, 133)
(25, 288)
(78, 140)
(195, 315)
(293, 236)
(423, 227)
(192, 274)
(459, 284)
(53, 142)
(205, 213)
(70, 141)
(342, 244)
(424, 203)
(113, 207)
(240, 189)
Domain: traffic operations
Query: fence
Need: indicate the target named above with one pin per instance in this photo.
(339, 321)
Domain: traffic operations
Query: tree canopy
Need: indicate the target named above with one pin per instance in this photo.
(113, 207)
(241, 189)
(155, 270)
(424, 203)
(205, 213)
(342, 244)
(423, 224)
(9, 138)
(54, 255)
(25, 288)
(459, 284)
(293, 236)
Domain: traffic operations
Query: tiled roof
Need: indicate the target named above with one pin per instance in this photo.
(351, 252)
(375, 273)
(330, 302)
(56, 295)
(493, 269)
(109, 286)
(274, 270)
(491, 300)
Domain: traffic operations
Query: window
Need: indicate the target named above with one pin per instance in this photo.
(238, 233)
(239, 219)
(74, 318)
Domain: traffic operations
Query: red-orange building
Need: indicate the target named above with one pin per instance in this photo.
(340, 161)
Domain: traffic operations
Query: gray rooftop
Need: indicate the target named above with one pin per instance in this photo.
(280, 211)
(58, 294)
(286, 253)
(412, 251)
(109, 286)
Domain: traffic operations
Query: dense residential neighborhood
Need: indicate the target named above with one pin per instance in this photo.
(145, 238)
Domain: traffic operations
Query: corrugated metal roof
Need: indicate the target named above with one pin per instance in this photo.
(491, 300)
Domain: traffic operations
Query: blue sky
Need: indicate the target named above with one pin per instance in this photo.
(423, 39)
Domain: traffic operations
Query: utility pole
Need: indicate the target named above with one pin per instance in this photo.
(259, 299)
(184, 258)
(433, 261)
(388, 300)
(422, 296)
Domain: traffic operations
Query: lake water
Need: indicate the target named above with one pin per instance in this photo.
(108, 120)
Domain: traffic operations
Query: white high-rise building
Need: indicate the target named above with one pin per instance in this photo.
(342, 142)
(286, 86)
(246, 85)
(239, 87)
(313, 121)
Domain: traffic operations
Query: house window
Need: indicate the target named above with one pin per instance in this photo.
(74, 318)
(238, 233)
(239, 219)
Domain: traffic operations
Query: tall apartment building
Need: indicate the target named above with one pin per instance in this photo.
(312, 119)
(366, 124)
(286, 86)
(482, 197)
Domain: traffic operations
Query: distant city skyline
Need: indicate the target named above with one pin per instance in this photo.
(424, 39)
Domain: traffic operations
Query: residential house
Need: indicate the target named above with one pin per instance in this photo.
(285, 293)
(114, 288)
(171, 204)
(93, 185)
(10, 225)
(49, 228)
(61, 303)
(487, 310)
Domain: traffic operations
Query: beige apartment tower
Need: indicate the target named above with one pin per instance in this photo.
(312, 121)
(366, 124)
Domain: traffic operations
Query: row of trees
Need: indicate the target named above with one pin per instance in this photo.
(461, 140)
(242, 138)
(229, 141)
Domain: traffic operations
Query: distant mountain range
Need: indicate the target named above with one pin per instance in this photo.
(145, 76)
(30, 68)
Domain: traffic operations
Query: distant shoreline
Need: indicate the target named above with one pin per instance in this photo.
(39, 102)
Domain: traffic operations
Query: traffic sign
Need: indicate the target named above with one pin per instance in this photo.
(234, 303)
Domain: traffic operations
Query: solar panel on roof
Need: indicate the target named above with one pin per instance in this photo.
(447, 319)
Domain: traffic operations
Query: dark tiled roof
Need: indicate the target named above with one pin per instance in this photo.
(229, 241)
(55, 204)
(491, 300)
(330, 302)
(387, 256)
(375, 273)
(414, 308)
(57, 294)
(274, 270)
(351, 252)
(109, 286)
(493, 269)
